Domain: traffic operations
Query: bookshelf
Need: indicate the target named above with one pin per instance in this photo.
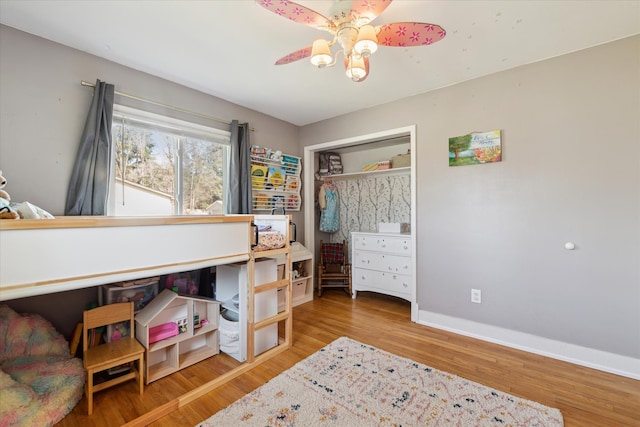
(275, 180)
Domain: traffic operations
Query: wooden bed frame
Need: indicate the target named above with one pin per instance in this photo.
(46, 256)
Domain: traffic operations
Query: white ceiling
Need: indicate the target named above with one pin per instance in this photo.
(227, 48)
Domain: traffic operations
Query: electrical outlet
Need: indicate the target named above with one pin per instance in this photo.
(476, 296)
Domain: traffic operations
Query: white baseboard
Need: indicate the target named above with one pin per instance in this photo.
(584, 356)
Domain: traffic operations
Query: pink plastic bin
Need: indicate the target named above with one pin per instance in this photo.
(161, 332)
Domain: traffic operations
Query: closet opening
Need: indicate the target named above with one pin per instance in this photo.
(384, 195)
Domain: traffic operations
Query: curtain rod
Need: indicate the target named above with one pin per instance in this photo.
(160, 104)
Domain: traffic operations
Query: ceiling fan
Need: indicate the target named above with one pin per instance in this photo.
(349, 22)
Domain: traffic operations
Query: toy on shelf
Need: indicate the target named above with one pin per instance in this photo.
(6, 211)
(161, 332)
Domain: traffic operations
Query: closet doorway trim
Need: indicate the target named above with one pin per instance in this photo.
(309, 171)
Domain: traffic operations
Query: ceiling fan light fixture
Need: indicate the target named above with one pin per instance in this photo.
(356, 70)
(349, 23)
(367, 41)
(321, 54)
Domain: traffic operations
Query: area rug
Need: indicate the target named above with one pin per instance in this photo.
(348, 383)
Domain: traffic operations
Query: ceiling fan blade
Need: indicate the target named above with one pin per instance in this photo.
(297, 13)
(409, 34)
(365, 11)
(295, 56)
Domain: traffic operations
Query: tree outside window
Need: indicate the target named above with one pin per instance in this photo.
(164, 169)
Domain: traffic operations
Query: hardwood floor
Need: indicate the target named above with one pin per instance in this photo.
(586, 397)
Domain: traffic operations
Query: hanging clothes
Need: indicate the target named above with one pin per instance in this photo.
(330, 215)
(322, 199)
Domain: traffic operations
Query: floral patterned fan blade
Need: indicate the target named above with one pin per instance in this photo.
(409, 34)
(298, 13)
(353, 15)
(295, 56)
(365, 11)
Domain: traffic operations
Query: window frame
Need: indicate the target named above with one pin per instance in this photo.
(179, 127)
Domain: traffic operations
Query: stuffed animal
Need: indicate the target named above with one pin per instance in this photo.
(277, 156)
(6, 211)
(3, 194)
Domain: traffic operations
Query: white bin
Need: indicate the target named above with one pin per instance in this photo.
(229, 332)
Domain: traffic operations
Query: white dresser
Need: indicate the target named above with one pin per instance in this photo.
(382, 262)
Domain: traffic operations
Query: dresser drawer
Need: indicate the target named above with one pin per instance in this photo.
(382, 262)
(390, 244)
(390, 283)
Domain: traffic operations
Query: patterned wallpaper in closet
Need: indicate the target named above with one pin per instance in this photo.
(365, 202)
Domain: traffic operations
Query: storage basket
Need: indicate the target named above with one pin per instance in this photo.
(141, 294)
(229, 332)
(401, 161)
(269, 240)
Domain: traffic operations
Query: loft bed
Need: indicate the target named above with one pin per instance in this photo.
(46, 256)
(54, 255)
(66, 253)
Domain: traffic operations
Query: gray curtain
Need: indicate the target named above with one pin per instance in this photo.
(237, 199)
(90, 178)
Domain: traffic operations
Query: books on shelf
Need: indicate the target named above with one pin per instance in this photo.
(275, 180)
(75, 339)
(267, 202)
(261, 201)
(258, 175)
(290, 164)
(293, 202)
(292, 183)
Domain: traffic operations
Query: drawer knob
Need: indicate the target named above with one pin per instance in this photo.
(405, 285)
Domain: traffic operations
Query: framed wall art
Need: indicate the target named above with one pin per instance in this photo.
(475, 148)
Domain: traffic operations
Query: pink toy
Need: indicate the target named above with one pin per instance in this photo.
(161, 332)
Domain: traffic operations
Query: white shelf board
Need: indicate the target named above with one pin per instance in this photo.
(349, 175)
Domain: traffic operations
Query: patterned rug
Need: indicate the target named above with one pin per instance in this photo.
(348, 383)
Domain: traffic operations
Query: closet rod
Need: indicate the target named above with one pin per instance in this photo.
(160, 104)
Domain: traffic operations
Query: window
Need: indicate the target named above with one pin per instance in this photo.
(165, 166)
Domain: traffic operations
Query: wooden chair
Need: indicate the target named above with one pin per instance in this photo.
(334, 270)
(101, 357)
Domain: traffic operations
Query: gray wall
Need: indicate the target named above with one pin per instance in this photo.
(570, 172)
(42, 112)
